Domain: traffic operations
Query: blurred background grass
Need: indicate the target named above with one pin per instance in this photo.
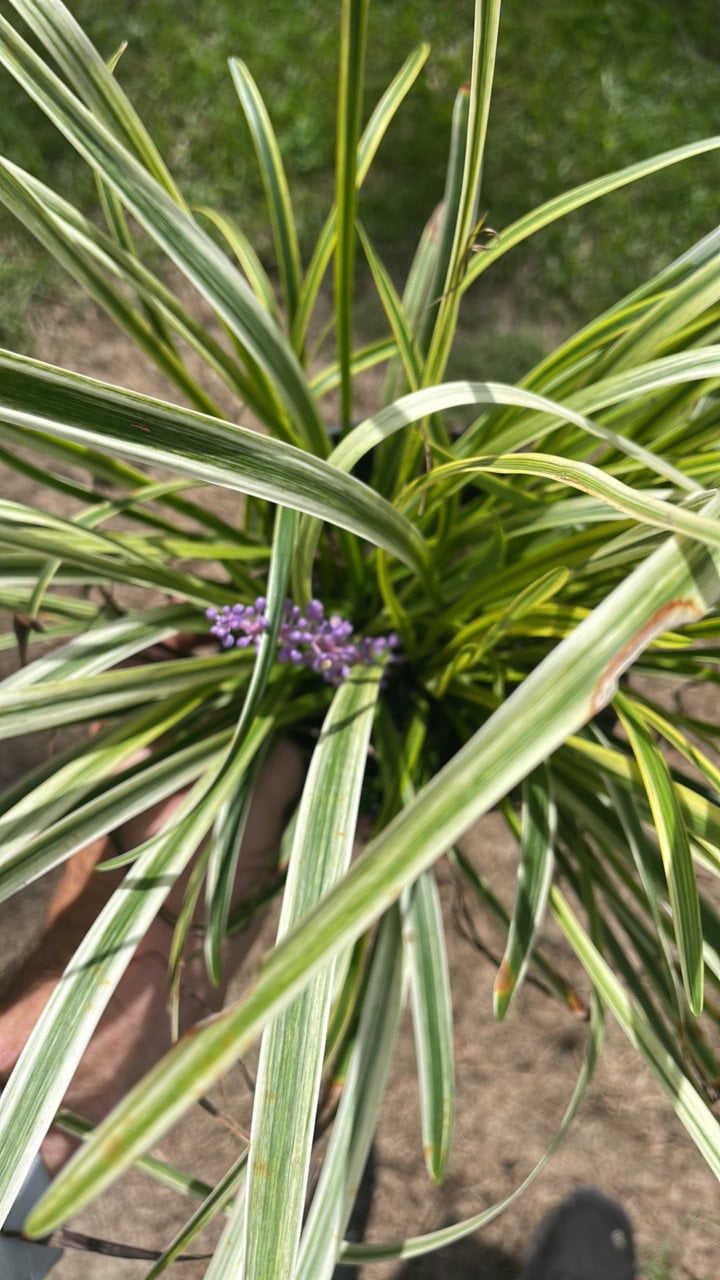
(582, 88)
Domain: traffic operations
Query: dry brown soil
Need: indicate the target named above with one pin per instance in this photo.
(513, 1081)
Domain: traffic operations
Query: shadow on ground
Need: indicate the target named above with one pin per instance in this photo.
(467, 1260)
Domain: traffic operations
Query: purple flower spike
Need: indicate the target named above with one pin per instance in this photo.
(238, 624)
(326, 645)
(315, 611)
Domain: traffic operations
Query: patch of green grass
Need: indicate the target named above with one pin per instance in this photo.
(494, 346)
(23, 274)
(582, 87)
(658, 1265)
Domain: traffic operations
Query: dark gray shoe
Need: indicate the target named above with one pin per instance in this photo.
(587, 1237)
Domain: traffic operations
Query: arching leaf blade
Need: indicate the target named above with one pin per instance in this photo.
(689, 1107)
(277, 192)
(568, 687)
(674, 847)
(39, 397)
(262, 1236)
(538, 822)
(424, 936)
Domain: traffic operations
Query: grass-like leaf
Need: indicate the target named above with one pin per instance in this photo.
(83, 66)
(686, 1102)
(42, 398)
(263, 1240)
(105, 646)
(573, 683)
(534, 879)
(485, 36)
(519, 603)
(230, 1185)
(70, 701)
(674, 847)
(57, 1042)
(38, 210)
(353, 39)
(394, 311)
(53, 788)
(424, 934)
(592, 480)
(370, 140)
(25, 859)
(231, 822)
(417, 1246)
(277, 194)
(181, 238)
(356, 1118)
(562, 205)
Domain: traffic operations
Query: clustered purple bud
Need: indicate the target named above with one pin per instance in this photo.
(307, 638)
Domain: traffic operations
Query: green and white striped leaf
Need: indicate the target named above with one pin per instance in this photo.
(417, 405)
(356, 1120)
(261, 1238)
(424, 937)
(71, 546)
(230, 1185)
(27, 857)
(247, 257)
(686, 1102)
(39, 397)
(538, 824)
(96, 261)
(567, 688)
(592, 480)
(394, 311)
(94, 651)
(112, 470)
(231, 820)
(416, 1247)
(41, 212)
(272, 172)
(700, 815)
(83, 66)
(644, 856)
(560, 206)
(372, 136)
(485, 37)
(425, 957)
(52, 789)
(188, 246)
(58, 1040)
(699, 364)
(71, 701)
(353, 40)
(430, 270)
(674, 847)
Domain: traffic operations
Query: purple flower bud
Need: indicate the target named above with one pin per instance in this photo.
(325, 645)
(315, 611)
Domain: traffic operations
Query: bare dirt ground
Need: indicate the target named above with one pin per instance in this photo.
(513, 1081)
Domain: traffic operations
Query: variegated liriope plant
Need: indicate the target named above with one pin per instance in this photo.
(477, 601)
